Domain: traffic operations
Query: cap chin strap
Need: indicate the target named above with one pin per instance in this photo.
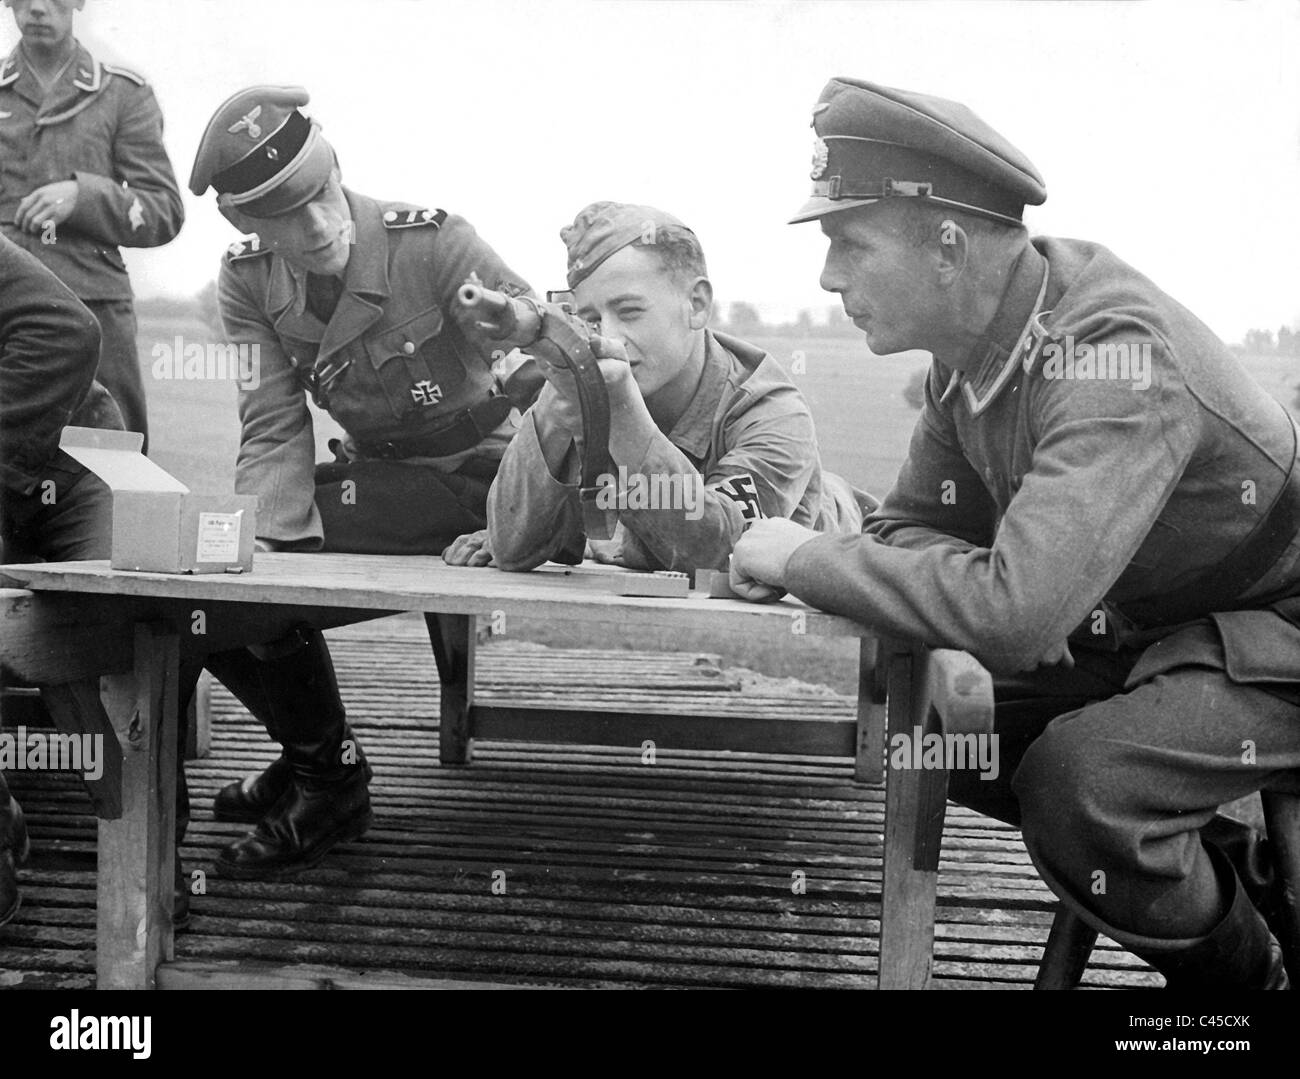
(836, 189)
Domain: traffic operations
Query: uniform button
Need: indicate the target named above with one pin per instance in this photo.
(409, 348)
(390, 216)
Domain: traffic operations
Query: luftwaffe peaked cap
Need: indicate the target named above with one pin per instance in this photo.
(876, 142)
(605, 227)
(261, 154)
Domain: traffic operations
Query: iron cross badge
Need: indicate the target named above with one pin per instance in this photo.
(426, 393)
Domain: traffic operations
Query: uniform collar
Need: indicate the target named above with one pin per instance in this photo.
(365, 284)
(693, 431)
(80, 81)
(1011, 335)
(11, 70)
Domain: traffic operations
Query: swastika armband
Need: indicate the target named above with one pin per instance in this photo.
(744, 492)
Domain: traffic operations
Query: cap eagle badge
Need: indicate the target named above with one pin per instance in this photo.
(248, 123)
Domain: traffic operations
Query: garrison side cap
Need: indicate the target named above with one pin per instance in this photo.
(261, 155)
(602, 228)
(876, 142)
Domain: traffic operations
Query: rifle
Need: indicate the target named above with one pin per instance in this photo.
(561, 338)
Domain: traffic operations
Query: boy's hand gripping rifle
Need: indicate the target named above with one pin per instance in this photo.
(554, 334)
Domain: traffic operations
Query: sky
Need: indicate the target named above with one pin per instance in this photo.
(1167, 130)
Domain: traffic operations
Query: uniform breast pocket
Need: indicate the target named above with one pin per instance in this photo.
(413, 368)
(301, 356)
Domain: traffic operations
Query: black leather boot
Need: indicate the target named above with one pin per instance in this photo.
(1238, 953)
(1252, 857)
(14, 847)
(258, 683)
(250, 799)
(326, 800)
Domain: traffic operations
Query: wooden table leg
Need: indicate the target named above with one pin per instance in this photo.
(198, 731)
(137, 851)
(453, 640)
(868, 765)
(915, 800)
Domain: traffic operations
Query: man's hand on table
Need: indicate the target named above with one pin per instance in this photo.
(470, 549)
(759, 560)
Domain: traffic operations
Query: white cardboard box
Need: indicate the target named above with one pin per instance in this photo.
(159, 525)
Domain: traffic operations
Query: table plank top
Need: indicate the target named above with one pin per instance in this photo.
(427, 584)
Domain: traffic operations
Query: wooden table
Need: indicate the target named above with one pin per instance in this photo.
(64, 625)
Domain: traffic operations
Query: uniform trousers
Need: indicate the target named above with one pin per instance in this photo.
(1116, 789)
(67, 517)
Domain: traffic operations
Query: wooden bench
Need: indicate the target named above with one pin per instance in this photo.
(78, 621)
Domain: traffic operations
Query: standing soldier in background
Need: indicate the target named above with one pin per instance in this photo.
(82, 172)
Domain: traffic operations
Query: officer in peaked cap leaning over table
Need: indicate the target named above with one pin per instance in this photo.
(83, 171)
(349, 301)
(1098, 503)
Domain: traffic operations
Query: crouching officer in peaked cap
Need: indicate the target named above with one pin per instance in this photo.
(349, 302)
(1098, 502)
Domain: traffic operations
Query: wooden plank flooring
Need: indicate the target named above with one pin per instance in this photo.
(615, 873)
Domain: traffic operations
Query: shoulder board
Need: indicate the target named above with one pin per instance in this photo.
(126, 73)
(413, 219)
(246, 249)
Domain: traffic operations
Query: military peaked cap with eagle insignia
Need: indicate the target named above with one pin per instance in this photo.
(261, 155)
(875, 142)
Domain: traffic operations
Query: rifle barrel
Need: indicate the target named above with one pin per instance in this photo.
(500, 315)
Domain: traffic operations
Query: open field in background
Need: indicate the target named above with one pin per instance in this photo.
(863, 425)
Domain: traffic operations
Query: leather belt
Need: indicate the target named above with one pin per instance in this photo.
(470, 427)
